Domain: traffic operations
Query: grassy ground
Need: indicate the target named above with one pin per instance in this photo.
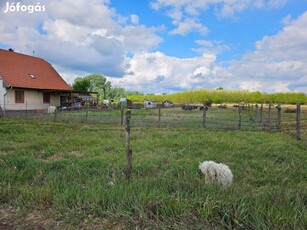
(71, 175)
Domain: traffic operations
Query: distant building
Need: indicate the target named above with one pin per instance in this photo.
(149, 104)
(123, 101)
(167, 104)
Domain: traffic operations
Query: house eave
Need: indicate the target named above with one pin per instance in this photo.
(40, 89)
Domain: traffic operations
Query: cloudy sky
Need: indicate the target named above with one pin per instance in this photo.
(165, 46)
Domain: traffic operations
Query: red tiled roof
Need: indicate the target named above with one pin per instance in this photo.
(24, 71)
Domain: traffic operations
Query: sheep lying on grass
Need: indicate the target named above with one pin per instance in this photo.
(216, 173)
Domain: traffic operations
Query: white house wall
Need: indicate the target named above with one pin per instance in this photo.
(33, 100)
(2, 92)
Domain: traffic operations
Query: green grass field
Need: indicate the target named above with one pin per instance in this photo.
(71, 175)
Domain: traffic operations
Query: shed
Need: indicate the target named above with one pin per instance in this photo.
(149, 104)
(167, 104)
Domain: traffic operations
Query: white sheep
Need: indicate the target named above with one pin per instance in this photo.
(216, 173)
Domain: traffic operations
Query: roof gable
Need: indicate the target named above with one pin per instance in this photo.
(24, 71)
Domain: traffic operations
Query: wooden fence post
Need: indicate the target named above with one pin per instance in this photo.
(270, 116)
(204, 115)
(261, 113)
(298, 116)
(121, 117)
(240, 120)
(1, 112)
(257, 113)
(55, 115)
(128, 149)
(278, 116)
(159, 113)
(26, 109)
(87, 109)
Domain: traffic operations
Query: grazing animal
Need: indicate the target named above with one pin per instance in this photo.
(216, 173)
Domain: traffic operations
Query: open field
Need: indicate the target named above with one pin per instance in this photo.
(70, 176)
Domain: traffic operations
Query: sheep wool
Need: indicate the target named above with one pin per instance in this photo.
(216, 173)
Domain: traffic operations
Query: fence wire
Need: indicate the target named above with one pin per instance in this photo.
(251, 118)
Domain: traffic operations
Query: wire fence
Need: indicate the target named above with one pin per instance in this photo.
(290, 119)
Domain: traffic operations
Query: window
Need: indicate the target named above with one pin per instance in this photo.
(19, 96)
(46, 98)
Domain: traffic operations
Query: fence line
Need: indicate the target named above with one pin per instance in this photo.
(250, 118)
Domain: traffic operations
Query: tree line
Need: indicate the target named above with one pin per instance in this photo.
(103, 88)
(224, 96)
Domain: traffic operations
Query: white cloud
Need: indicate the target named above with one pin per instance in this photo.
(276, 65)
(211, 46)
(183, 12)
(276, 3)
(134, 19)
(278, 62)
(287, 20)
(189, 25)
(251, 86)
(82, 35)
(156, 72)
(140, 38)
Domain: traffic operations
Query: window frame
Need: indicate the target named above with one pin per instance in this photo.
(48, 98)
(22, 96)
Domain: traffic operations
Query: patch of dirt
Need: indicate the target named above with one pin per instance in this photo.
(52, 158)
(15, 218)
(6, 226)
(18, 219)
(76, 154)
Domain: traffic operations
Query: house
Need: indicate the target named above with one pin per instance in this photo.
(149, 104)
(29, 83)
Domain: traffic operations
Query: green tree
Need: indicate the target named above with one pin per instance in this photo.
(81, 84)
(117, 93)
(98, 83)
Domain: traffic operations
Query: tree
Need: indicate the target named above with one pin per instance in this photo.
(81, 84)
(98, 83)
(117, 92)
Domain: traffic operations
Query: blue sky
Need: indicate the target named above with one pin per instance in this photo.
(165, 46)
